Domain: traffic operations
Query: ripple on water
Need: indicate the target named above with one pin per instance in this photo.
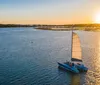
(29, 57)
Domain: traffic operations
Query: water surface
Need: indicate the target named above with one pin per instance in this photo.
(29, 57)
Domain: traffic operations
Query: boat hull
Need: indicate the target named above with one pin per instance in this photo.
(72, 69)
(82, 68)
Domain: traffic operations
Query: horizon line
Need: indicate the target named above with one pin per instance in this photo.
(46, 24)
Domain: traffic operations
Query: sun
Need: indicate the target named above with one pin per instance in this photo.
(97, 18)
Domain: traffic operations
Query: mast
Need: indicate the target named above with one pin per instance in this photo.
(72, 41)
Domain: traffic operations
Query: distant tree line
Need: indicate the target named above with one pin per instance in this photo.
(15, 25)
(87, 27)
(70, 25)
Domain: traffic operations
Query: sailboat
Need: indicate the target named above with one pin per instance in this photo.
(75, 65)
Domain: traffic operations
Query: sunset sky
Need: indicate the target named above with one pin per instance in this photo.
(48, 11)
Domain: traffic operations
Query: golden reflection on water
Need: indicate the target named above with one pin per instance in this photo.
(97, 58)
(93, 76)
(75, 80)
(90, 42)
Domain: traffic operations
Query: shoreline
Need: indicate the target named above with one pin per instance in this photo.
(67, 27)
(70, 28)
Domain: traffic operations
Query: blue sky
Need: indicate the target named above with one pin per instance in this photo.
(48, 11)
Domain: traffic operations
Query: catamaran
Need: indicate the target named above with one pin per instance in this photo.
(75, 65)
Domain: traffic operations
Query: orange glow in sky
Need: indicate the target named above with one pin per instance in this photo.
(97, 17)
(49, 11)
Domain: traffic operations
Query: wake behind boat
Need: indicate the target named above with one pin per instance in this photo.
(75, 65)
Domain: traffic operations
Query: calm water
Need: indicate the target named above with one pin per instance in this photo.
(29, 57)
